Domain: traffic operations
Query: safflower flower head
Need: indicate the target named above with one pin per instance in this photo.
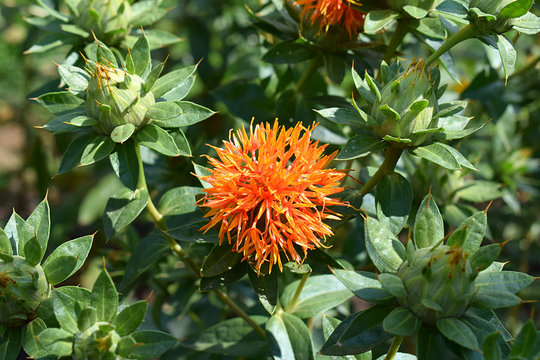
(270, 191)
(333, 12)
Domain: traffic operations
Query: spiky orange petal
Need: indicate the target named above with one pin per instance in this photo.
(270, 192)
(333, 12)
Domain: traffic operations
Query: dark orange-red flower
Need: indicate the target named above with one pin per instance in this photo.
(270, 192)
(333, 12)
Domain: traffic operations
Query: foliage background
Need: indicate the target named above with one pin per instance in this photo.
(233, 80)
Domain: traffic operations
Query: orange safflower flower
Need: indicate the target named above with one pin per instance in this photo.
(333, 12)
(270, 192)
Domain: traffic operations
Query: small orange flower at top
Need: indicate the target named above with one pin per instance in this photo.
(333, 12)
(270, 192)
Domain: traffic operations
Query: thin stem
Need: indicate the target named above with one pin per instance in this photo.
(159, 221)
(402, 29)
(467, 32)
(394, 348)
(387, 167)
(312, 68)
(298, 291)
(227, 300)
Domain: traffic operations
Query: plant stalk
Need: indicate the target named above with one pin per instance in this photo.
(387, 167)
(467, 32)
(402, 29)
(394, 348)
(159, 221)
(298, 291)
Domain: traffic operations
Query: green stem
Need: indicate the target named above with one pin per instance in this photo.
(467, 32)
(159, 221)
(298, 291)
(394, 348)
(387, 167)
(402, 29)
(312, 68)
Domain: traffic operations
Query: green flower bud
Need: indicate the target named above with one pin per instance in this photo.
(108, 19)
(22, 288)
(115, 97)
(408, 105)
(439, 283)
(98, 342)
(489, 19)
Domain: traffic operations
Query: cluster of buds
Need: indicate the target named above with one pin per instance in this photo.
(499, 16)
(23, 287)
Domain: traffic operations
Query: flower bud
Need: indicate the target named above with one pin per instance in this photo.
(108, 19)
(115, 98)
(489, 19)
(99, 341)
(408, 105)
(439, 283)
(22, 288)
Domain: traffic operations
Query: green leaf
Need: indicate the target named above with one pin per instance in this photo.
(359, 146)
(525, 340)
(87, 317)
(382, 246)
(79, 121)
(393, 284)
(152, 76)
(504, 281)
(10, 344)
(320, 293)
(508, 54)
(451, 108)
(67, 258)
(483, 257)
(122, 209)
(221, 258)
(358, 333)
(379, 19)
(470, 233)
(29, 338)
(151, 344)
(156, 138)
(401, 322)
(457, 331)
(224, 279)
(390, 113)
(438, 154)
(104, 297)
(74, 77)
(104, 55)
(373, 86)
(490, 299)
(343, 116)
(59, 102)
(393, 198)
(63, 122)
(180, 200)
(231, 337)
(480, 191)
(121, 133)
(5, 244)
(527, 24)
(169, 81)
(288, 52)
(184, 114)
(329, 324)
(141, 56)
(129, 319)
(14, 231)
(180, 91)
(428, 225)
(490, 348)
(289, 337)
(516, 8)
(191, 233)
(125, 164)
(266, 288)
(363, 88)
(363, 284)
(125, 346)
(145, 256)
(66, 310)
(415, 12)
(36, 231)
(91, 147)
(57, 342)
